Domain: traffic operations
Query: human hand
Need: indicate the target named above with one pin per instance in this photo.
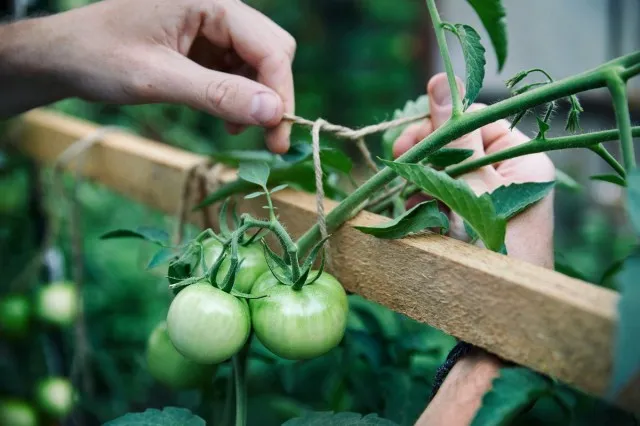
(530, 234)
(529, 237)
(220, 56)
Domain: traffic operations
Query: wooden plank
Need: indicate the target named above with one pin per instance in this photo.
(532, 316)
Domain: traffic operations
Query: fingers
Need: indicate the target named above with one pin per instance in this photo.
(269, 50)
(411, 136)
(234, 98)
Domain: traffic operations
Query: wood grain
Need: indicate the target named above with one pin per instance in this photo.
(532, 316)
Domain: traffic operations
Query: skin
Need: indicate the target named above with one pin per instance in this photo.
(219, 56)
(529, 237)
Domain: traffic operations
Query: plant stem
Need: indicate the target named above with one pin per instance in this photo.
(470, 121)
(239, 366)
(438, 27)
(535, 146)
(618, 89)
(606, 156)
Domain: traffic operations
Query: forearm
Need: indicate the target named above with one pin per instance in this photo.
(29, 74)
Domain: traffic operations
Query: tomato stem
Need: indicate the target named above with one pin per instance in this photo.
(239, 361)
(618, 89)
(466, 123)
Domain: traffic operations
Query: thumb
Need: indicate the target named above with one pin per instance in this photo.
(234, 98)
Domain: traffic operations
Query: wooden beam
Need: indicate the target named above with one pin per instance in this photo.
(532, 316)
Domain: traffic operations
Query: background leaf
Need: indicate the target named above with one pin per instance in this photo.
(626, 361)
(633, 198)
(514, 391)
(513, 199)
(154, 235)
(445, 157)
(255, 172)
(338, 419)
(493, 17)
(169, 416)
(478, 212)
(565, 181)
(411, 108)
(423, 216)
(474, 60)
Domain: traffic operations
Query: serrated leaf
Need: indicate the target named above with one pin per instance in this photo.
(474, 60)
(445, 157)
(478, 211)
(255, 172)
(493, 17)
(170, 416)
(253, 195)
(565, 181)
(410, 109)
(515, 198)
(338, 419)
(626, 359)
(512, 392)
(153, 235)
(423, 216)
(615, 179)
(633, 198)
(161, 257)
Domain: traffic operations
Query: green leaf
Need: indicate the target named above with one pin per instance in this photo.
(473, 53)
(255, 172)
(513, 392)
(633, 198)
(565, 181)
(614, 179)
(477, 211)
(493, 17)
(153, 235)
(161, 257)
(253, 195)
(515, 198)
(424, 215)
(445, 157)
(335, 159)
(170, 416)
(338, 419)
(279, 188)
(543, 127)
(411, 108)
(404, 396)
(626, 360)
(235, 157)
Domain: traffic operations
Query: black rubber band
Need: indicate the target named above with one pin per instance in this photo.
(460, 350)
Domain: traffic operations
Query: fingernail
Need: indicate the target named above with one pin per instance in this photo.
(441, 94)
(264, 107)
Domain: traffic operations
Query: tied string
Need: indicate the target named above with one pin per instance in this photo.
(347, 133)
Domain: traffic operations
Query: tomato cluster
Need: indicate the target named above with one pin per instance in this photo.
(206, 325)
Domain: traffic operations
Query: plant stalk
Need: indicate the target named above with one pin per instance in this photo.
(618, 89)
(441, 38)
(470, 121)
(239, 361)
(606, 156)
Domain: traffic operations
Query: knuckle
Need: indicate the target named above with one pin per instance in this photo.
(290, 46)
(221, 94)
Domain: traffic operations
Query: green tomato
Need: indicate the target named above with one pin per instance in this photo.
(57, 304)
(207, 325)
(15, 315)
(14, 412)
(299, 324)
(55, 396)
(253, 263)
(170, 367)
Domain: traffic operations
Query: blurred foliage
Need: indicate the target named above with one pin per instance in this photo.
(356, 63)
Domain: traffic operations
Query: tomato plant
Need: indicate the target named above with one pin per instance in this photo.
(206, 324)
(55, 396)
(57, 304)
(299, 324)
(15, 315)
(17, 413)
(169, 366)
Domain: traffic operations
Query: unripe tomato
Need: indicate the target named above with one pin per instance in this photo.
(299, 324)
(252, 266)
(14, 412)
(57, 304)
(207, 325)
(170, 367)
(55, 396)
(15, 314)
